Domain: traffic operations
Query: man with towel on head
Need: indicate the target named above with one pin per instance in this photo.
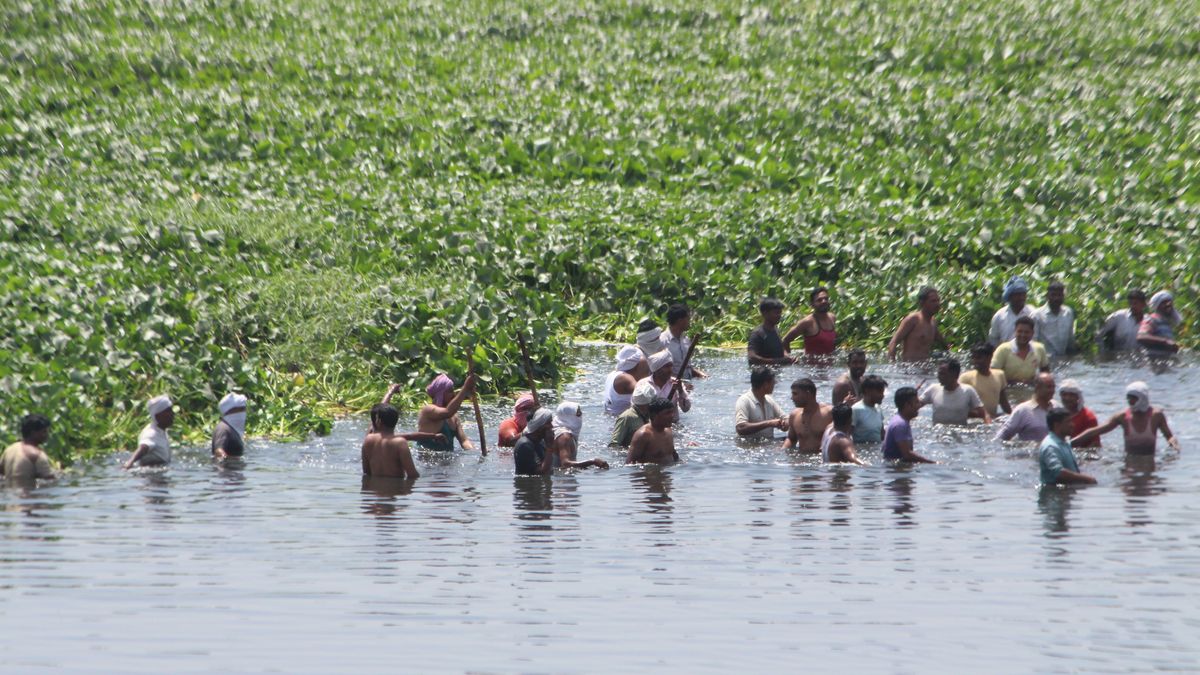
(1082, 418)
(228, 438)
(1157, 333)
(631, 367)
(1141, 423)
(511, 428)
(154, 447)
(662, 369)
(1004, 321)
(440, 415)
(649, 337)
(636, 416)
(567, 426)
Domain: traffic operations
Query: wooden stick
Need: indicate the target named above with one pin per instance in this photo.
(687, 359)
(475, 402)
(528, 370)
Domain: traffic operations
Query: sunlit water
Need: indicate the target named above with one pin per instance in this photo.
(737, 558)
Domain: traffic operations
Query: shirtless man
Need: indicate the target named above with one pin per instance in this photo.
(440, 415)
(654, 443)
(384, 453)
(806, 425)
(848, 388)
(838, 446)
(819, 329)
(919, 330)
(24, 462)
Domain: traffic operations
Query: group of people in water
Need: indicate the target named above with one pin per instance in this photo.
(651, 383)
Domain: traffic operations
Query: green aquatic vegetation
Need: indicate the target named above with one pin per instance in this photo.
(306, 200)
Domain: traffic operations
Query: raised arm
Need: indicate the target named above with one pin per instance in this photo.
(1082, 439)
(438, 413)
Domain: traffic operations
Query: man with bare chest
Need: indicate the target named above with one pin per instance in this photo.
(919, 330)
(385, 454)
(654, 443)
(807, 423)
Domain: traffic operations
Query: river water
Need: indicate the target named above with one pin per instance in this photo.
(736, 558)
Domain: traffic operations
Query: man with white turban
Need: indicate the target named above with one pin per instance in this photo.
(662, 369)
(648, 337)
(229, 436)
(566, 425)
(618, 387)
(1082, 418)
(154, 447)
(1157, 332)
(637, 416)
(1004, 321)
(1141, 423)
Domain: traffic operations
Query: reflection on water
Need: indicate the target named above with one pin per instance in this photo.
(739, 549)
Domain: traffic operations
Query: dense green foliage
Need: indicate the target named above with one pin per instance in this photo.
(306, 199)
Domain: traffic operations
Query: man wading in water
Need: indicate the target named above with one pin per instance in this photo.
(848, 388)
(806, 426)
(654, 443)
(385, 454)
(918, 332)
(440, 416)
(818, 329)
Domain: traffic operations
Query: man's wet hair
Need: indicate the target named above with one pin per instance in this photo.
(1026, 320)
(855, 352)
(769, 304)
(647, 324)
(760, 375)
(385, 416)
(842, 415)
(953, 366)
(1056, 415)
(659, 404)
(676, 312)
(804, 384)
(1136, 294)
(983, 349)
(924, 294)
(874, 383)
(904, 395)
(31, 424)
(817, 291)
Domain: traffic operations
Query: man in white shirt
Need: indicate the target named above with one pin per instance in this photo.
(1055, 323)
(154, 447)
(756, 413)
(1004, 321)
(676, 341)
(1119, 333)
(953, 402)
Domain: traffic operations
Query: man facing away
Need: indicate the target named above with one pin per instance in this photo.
(1055, 457)
(654, 443)
(918, 332)
(867, 418)
(676, 341)
(898, 438)
(24, 462)
(384, 453)
(765, 347)
(1005, 319)
(1120, 331)
(837, 447)
(806, 425)
(818, 329)
(228, 438)
(1055, 322)
(756, 414)
(848, 388)
(154, 446)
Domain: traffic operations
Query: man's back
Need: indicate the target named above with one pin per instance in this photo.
(387, 456)
(22, 462)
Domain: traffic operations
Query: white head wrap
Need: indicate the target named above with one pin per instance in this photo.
(1071, 387)
(1160, 297)
(538, 420)
(568, 419)
(1141, 393)
(158, 404)
(660, 359)
(643, 393)
(232, 400)
(628, 358)
(648, 341)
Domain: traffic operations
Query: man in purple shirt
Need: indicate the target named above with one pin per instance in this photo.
(898, 438)
(1028, 420)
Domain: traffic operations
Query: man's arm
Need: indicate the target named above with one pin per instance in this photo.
(978, 412)
(438, 413)
(42, 468)
(907, 454)
(406, 461)
(637, 447)
(1146, 339)
(1067, 476)
(366, 465)
(841, 389)
(463, 439)
(565, 445)
(800, 329)
(1004, 404)
(748, 428)
(137, 454)
(900, 335)
(994, 330)
(1082, 439)
(1012, 426)
(792, 436)
(684, 401)
(1161, 422)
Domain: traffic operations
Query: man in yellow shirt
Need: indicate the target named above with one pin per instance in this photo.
(988, 383)
(25, 462)
(1021, 359)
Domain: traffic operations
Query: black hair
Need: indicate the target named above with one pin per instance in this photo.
(1056, 286)
(804, 384)
(953, 366)
(1027, 320)
(983, 349)
(855, 352)
(760, 375)
(904, 395)
(769, 304)
(647, 324)
(874, 383)
(385, 416)
(659, 404)
(1056, 415)
(817, 291)
(31, 424)
(924, 294)
(676, 312)
(1136, 294)
(842, 415)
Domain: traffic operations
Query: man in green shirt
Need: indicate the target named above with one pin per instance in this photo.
(634, 417)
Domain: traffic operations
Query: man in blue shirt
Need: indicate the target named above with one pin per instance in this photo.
(1056, 458)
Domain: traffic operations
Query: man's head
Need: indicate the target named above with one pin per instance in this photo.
(661, 366)
(662, 413)
(1137, 301)
(873, 387)
(1162, 303)
(843, 417)
(819, 299)
(928, 300)
(948, 372)
(762, 380)
(771, 311)
(35, 429)
(1015, 293)
(1056, 292)
(1059, 421)
(539, 427)
(385, 416)
(162, 411)
(1071, 395)
(679, 318)
(908, 404)
(643, 394)
(981, 356)
(1024, 330)
(232, 406)
(804, 392)
(440, 390)
(856, 361)
(1043, 388)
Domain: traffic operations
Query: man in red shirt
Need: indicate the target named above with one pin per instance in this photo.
(1082, 418)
